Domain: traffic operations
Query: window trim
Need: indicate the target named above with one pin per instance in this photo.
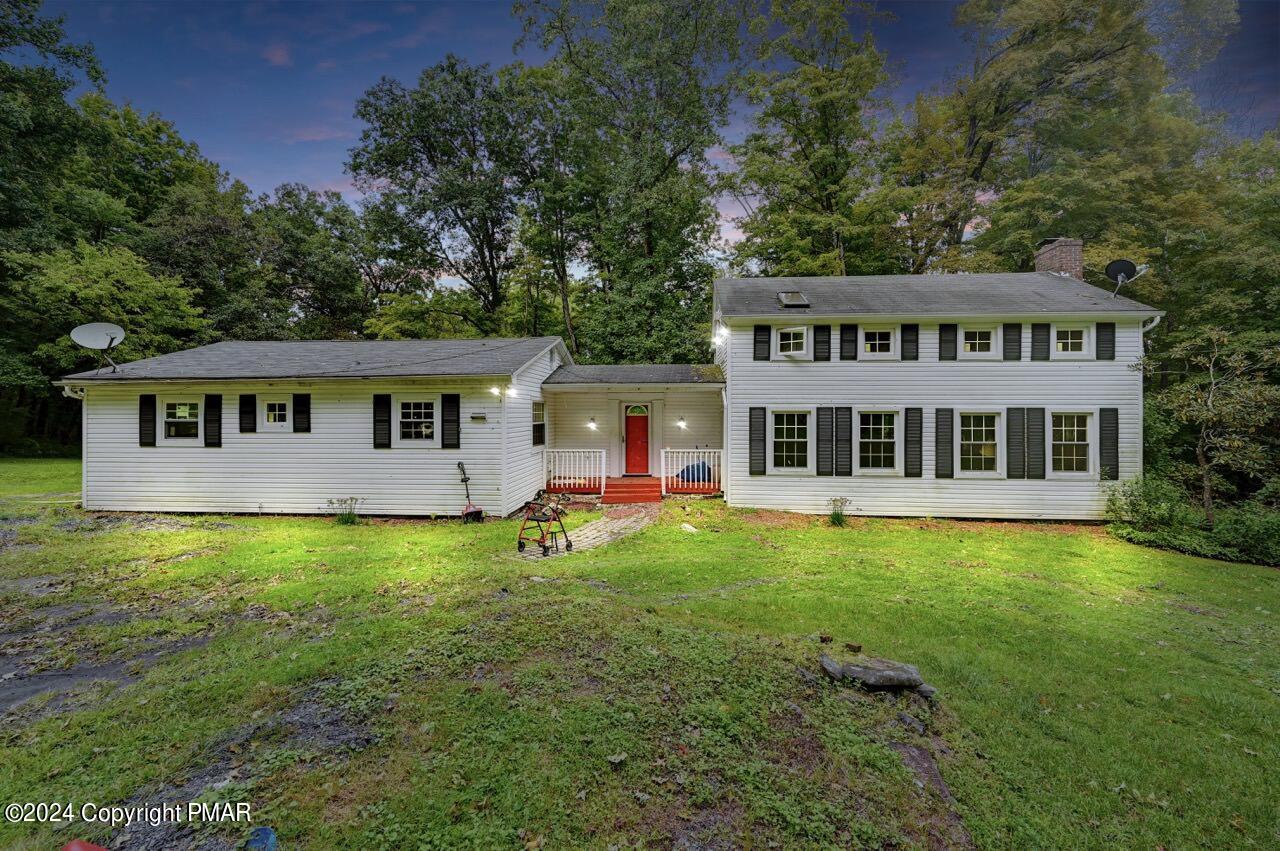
(263, 425)
(898, 438)
(1086, 354)
(999, 472)
(894, 342)
(534, 423)
(162, 402)
(806, 353)
(811, 440)
(398, 442)
(996, 353)
(1091, 450)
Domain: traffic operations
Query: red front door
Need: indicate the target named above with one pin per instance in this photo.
(637, 437)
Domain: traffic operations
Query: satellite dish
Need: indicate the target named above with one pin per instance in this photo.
(1121, 271)
(102, 336)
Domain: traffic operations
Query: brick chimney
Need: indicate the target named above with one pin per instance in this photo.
(1062, 255)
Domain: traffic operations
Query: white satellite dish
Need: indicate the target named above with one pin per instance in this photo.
(98, 335)
(101, 336)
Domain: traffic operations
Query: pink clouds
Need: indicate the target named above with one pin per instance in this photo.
(278, 54)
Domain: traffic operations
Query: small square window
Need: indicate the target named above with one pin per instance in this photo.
(181, 420)
(277, 412)
(1070, 340)
(417, 420)
(791, 341)
(877, 342)
(977, 341)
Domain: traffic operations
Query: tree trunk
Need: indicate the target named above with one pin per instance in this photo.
(1206, 483)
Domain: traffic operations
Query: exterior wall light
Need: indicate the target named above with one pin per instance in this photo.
(681, 424)
(497, 391)
(591, 423)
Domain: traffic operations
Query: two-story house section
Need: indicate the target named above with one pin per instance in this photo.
(1011, 395)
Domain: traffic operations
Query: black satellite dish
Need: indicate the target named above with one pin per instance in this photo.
(1121, 271)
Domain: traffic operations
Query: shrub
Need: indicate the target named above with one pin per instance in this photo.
(345, 510)
(838, 504)
(1251, 529)
(1151, 503)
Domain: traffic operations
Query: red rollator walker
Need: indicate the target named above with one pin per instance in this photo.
(547, 516)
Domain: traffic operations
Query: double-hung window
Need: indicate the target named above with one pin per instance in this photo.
(793, 342)
(790, 440)
(417, 419)
(877, 441)
(1070, 448)
(978, 443)
(539, 423)
(181, 420)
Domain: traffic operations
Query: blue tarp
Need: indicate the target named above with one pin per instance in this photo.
(697, 472)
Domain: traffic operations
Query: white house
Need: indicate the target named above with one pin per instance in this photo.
(983, 395)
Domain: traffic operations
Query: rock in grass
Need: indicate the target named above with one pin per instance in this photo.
(872, 673)
(927, 691)
(688, 527)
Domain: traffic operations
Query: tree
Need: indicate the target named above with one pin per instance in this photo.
(442, 160)
(651, 85)
(810, 157)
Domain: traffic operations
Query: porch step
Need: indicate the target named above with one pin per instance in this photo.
(632, 489)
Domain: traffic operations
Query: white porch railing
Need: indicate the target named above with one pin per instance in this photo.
(691, 470)
(575, 470)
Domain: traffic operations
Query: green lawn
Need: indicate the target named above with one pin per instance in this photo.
(411, 685)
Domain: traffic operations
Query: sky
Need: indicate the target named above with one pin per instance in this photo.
(267, 89)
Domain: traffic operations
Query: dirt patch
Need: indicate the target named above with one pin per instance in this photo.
(779, 519)
(312, 724)
(682, 826)
(9, 532)
(32, 586)
(943, 826)
(108, 522)
(798, 749)
(1203, 611)
(618, 512)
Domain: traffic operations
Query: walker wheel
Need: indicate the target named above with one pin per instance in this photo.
(546, 550)
(568, 545)
(519, 546)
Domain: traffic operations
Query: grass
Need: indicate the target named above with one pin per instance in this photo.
(1094, 693)
(34, 477)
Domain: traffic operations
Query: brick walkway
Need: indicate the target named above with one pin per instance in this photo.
(618, 522)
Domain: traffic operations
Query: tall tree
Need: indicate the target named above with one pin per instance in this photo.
(442, 159)
(811, 156)
(651, 83)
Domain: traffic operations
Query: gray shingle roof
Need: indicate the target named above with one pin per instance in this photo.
(333, 359)
(1009, 293)
(659, 373)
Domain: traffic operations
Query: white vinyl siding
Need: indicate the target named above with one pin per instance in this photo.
(525, 469)
(963, 386)
(287, 471)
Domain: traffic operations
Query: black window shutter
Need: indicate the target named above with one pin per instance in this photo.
(763, 342)
(1040, 341)
(947, 341)
(450, 421)
(912, 464)
(213, 419)
(147, 419)
(1012, 341)
(943, 420)
(248, 412)
(302, 412)
(755, 456)
(822, 342)
(1015, 443)
(1109, 443)
(844, 441)
(381, 420)
(1106, 342)
(848, 342)
(1035, 443)
(911, 342)
(826, 448)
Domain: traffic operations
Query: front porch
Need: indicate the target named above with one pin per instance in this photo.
(634, 433)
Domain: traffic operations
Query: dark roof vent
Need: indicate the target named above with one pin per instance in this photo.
(793, 298)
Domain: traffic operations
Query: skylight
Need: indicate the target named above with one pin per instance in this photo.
(793, 298)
